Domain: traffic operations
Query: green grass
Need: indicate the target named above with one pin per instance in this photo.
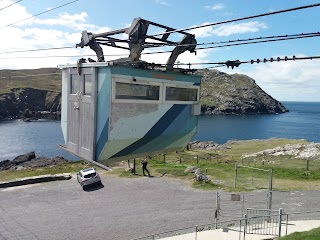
(70, 167)
(43, 79)
(313, 234)
(289, 173)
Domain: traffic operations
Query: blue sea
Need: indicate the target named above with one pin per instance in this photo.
(301, 122)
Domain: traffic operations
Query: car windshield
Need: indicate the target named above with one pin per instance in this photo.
(90, 175)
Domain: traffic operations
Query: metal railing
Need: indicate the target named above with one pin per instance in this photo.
(257, 221)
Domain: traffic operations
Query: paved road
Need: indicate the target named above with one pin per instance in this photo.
(122, 209)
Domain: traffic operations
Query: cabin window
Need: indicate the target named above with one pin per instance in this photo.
(137, 91)
(74, 81)
(87, 85)
(181, 94)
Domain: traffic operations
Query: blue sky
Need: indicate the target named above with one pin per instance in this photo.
(285, 81)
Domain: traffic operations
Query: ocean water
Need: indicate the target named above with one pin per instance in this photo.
(43, 137)
(301, 122)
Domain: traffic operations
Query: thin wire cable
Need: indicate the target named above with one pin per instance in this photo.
(241, 19)
(283, 37)
(296, 36)
(63, 56)
(244, 43)
(219, 64)
(34, 75)
(10, 5)
(36, 50)
(39, 14)
(245, 40)
(263, 41)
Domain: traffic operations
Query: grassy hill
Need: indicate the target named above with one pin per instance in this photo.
(43, 79)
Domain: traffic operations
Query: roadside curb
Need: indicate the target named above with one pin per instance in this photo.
(35, 179)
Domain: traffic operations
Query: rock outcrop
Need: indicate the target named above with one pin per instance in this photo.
(300, 151)
(29, 160)
(222, 93)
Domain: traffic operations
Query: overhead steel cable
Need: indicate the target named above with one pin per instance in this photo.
(49, 10)
(10, 5)
(33, 75)
(282, 37)
(36, 50)
(239, 19)
(232, 43)
(262, 41)
(62, 56)
(236, 63)
(245, 40)
(246, 43)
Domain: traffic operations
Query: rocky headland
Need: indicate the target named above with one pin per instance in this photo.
(223, 93)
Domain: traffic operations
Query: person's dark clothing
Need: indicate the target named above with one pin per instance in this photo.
(144, 167)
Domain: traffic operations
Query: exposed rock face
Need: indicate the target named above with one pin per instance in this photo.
(207, 145)
(29, 160)
(29, 103)
(222, 93)
(301, 151)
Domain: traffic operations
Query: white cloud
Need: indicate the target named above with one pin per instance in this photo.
(162, 2)
(215, 7)
(24, 36)
(292, 80)
(228, 29)
(13, 14)
(73, 21)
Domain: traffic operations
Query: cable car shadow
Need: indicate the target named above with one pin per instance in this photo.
(94, 187)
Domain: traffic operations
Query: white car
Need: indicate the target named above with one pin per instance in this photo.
(88, 176)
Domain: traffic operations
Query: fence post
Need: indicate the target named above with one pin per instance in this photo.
(252, 178)
(270, 189)
(280, 222)
(134, 167)
(180, 159)
(217, 205)
(235, 177)
(164, 158)
(197, 159)
(196, 233)
(245, 226)
(307, 167)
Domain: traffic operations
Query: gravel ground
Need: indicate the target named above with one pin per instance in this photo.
(125, 208)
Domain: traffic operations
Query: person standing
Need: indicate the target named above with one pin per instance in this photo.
(144, 163)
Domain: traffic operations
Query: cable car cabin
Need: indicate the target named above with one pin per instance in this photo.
(115, 112)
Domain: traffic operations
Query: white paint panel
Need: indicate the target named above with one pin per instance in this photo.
(126, 126)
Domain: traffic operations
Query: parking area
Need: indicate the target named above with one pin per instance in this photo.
(120, 209)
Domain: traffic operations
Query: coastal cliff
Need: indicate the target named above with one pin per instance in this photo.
(30, 103)
(36, 93)
(30, 93)
(222, 93)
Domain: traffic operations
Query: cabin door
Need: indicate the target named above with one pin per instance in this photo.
(81, 112)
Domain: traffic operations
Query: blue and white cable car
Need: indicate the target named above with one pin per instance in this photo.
(126, 108)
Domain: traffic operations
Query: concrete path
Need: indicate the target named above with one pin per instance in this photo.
(233, 234)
